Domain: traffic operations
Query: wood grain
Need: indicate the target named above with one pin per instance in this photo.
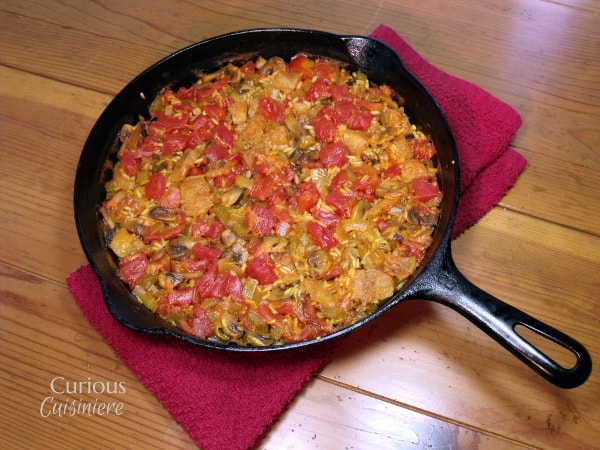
(421, 376)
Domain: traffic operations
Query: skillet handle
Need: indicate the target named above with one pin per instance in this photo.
(499, 319)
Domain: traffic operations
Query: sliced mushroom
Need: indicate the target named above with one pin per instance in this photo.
(169, 280)
(258, 340)
(177, 249)
(319, 263)
(228, 329)
(228, 237)
(165, 214)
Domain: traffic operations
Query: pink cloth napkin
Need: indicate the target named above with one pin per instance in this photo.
(230, 400)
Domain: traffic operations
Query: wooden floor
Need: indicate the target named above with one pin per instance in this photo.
(424, 377)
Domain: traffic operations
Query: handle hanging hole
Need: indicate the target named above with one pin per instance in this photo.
(561, 355)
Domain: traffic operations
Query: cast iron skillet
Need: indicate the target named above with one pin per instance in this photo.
(438, 279)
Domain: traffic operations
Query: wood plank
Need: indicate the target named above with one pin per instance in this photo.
(45, 336)
(344, 424)
(36, 186)
(433, 359)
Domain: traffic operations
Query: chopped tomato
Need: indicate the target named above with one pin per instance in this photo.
(218, 85)
(164, 233)
(366, 181)
(185, 93)
(264, 311)
(234, 284)
(381, 224)
(148, 146)
(360, 120)
(130, 163)
(213, 111)
(302, 64)
(200, 135)
(203, 123)
(334, 154)
(181, 297)
(261, 270)
(286, 308)
(163, 123)
(329, 219)
(248, 68)
(199, 325)
(194, 170)
(192, 265)
(341, 92)
(171, 198)
(411, 248)
(224, 135)
(228, 179)
(348, 113)
(309, 331)
(341, 202)
(424, 189)
(285, 222)
(175, 143)
(333, 272)
(393, 171)
(321, 236)
(155, 187)
(224, 181)
(205, 283)
(207, 255)
(132, 267)
(217, 285)
(262, 187)
(206, 228)
(422, 149)
(307, 196)
(323, 69)
(325, 128)
(203, 92)
(319, 89)
(271, 109)
(216, 151)
(344, 110)
(339, 180)
(260, 220)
